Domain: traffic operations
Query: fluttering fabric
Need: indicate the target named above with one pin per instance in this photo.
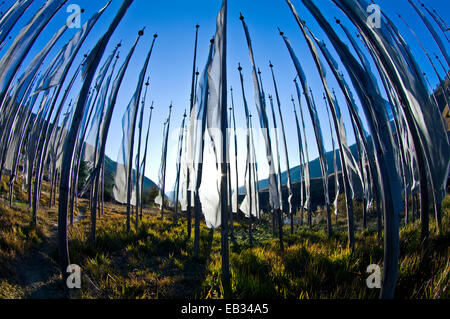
(91, 147)
(144, 159)
(63, 60)
(105, 125)
(430, 28)
(125, 157)
(233, 135)
(174, 198)
(93, 60)
(22, 90)
(20, 125)
(354, 173)
(210, 189)
(9, 19)
(441, 24)
(264, 124)
(286, 154)
(137, 161)
(301, 155)
(163, 164)
(13, 58)
(407, 79)
(277, 155)
(374, 109)
(182, 197)
(250, 203)
(335, 169)
(361, 141)
(305, 155)
(350, 171)
(314, 119)
(197, 125)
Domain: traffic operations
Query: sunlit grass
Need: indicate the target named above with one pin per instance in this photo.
(156, 260)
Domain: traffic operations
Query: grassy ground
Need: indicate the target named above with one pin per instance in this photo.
(155, 261)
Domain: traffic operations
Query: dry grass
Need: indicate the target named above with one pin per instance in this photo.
(156, 260)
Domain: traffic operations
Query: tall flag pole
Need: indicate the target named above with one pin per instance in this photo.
(401, 131)
(126, 151)
(52, 130)
(11, 16)
(32, 140)
(164, 161)
(248, 204)
(351, 106)
(96, 130)
(53, 154)
(314, 119)
(14, 57)
(430, 28)
(14, 153)
(423, 118)
(20, 141)
(215, 208)
(251, 181)
(432, 158)
(138, 166)
(389, 182)
(442, 66)
(440, 23)
(306, 172)
(255, 172)
(192, 101)
(443, 23)
(362, 162)
(264, 124)
(195, 145)
(347, 160)
(56, 75)
(179, 156)
(230, 191)
(353, 109)
(159, 199)
(286, 155)
(144, 159)
(86, 118)
(93, 59)
(277, 155)
(335, 169)
(96, 105)
(423, 49)
(21, 92)
(301, 160)
(104, 132)
(236, 192)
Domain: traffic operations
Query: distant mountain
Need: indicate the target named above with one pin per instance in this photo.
(110, 170)
(317, 197)
(314, 169)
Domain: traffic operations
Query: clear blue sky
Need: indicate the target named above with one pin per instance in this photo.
(171, 62)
